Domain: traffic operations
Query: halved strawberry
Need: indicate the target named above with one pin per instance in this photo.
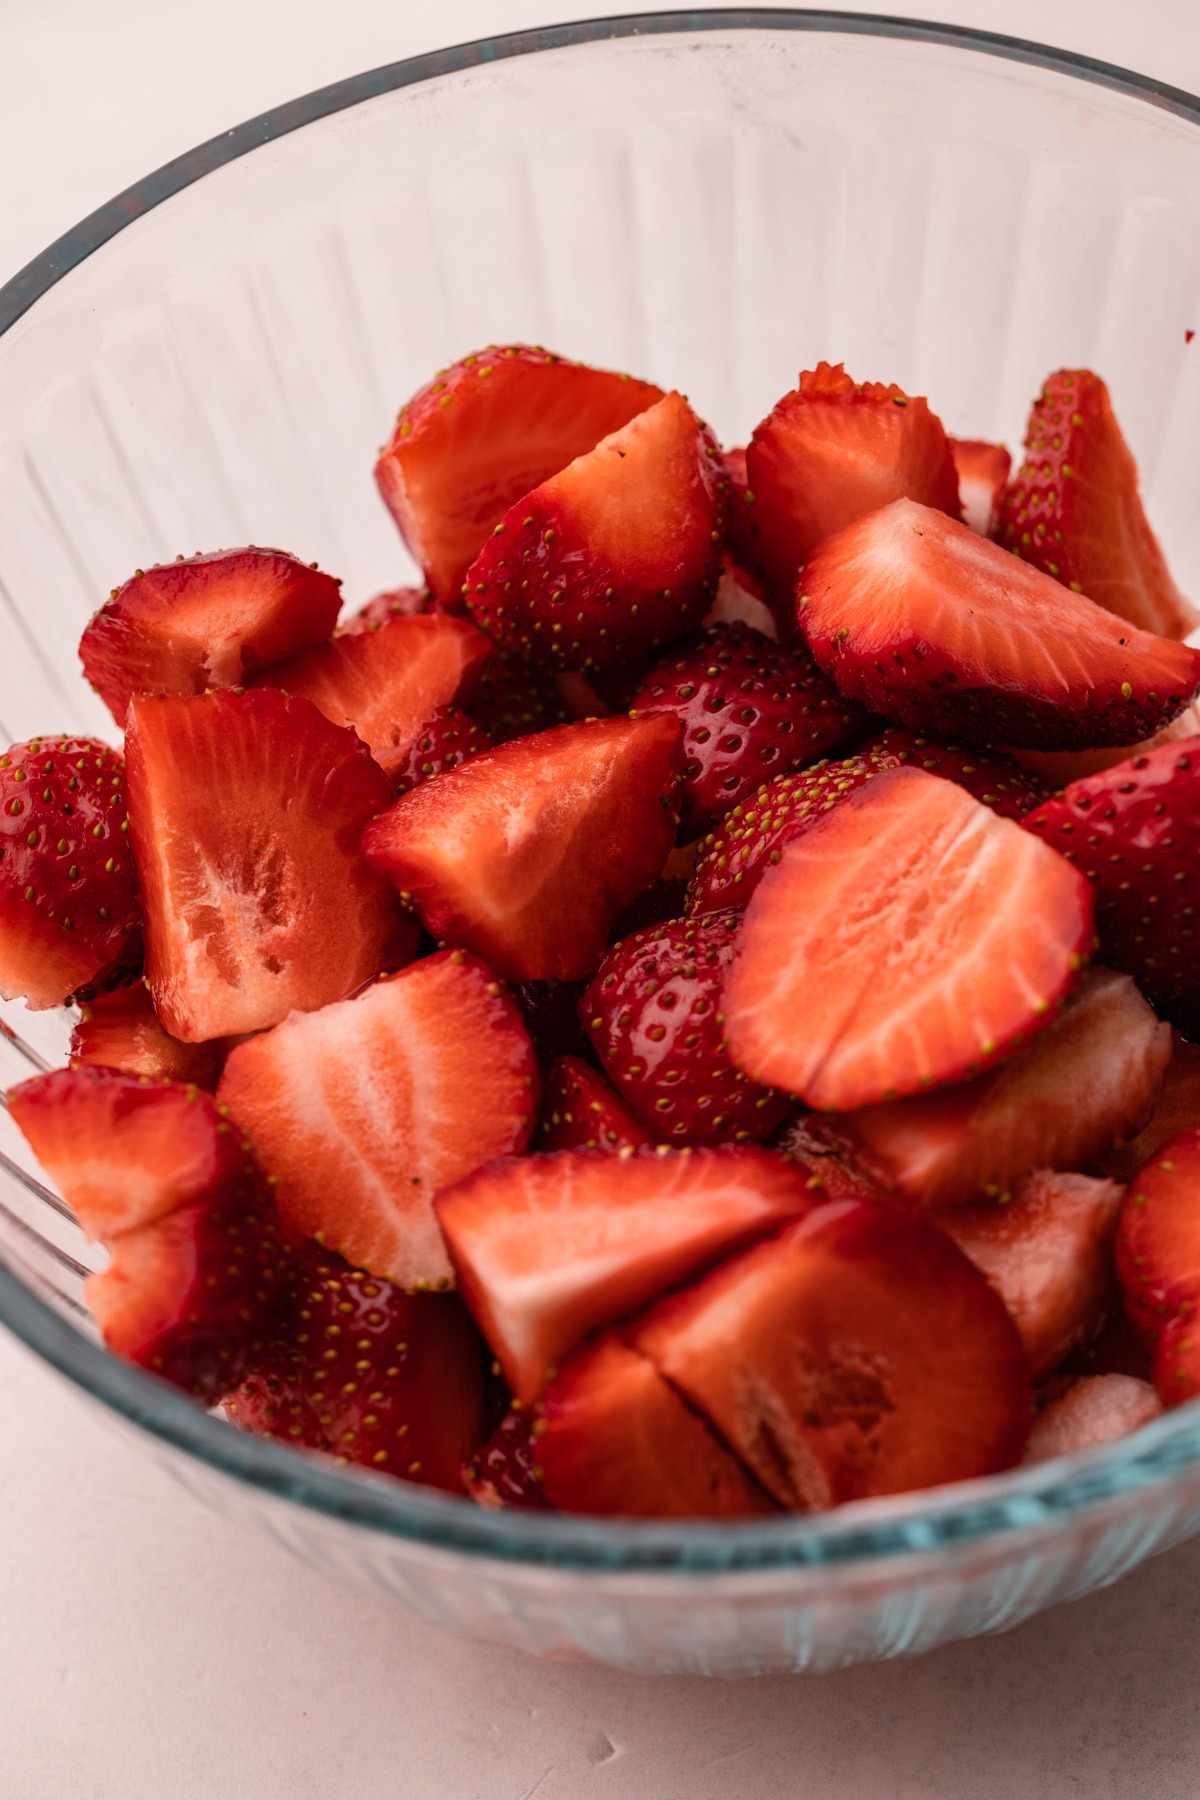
(615, 555)
(506, 1471)
(924, 621)
(740, 600)
(527, 853)
(393, 603)
(363, 1110)
(1096, 1410)
(69, 919)
(747, 709)
(372, 1375)
(486, 431)
(447, 738)
(1176, 1109)
(548, 1248)
(908, 939)
(832, 450)
(1074, 509)
(857, 1353)
(1158, 1237)
(121, 1030)
(205, 622)
(1087, 1083)
(516, 701)
(1134, 831)
(246, 813)
(581, 1112)
(653, 1012)
(982, 471)
(1047, 1252)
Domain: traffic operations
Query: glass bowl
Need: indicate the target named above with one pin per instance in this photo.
(710, 200)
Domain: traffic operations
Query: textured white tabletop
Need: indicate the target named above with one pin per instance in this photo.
(148, 1651)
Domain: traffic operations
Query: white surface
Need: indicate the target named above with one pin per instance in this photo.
(150, 1652)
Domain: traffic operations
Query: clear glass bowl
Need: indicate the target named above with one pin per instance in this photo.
(710, 200)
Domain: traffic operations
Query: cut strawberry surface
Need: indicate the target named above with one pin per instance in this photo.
(447, 738)
(393, 603)
(982, 471)
(205, 622)
(549, 1248)
(921, 619)
(906, 940)
(506, 1471)
(1176, 1109)
(69, 919)
(1097, 1410)
(1074, 509)
(614, 556)
(857, 1353)
(527, 853)
(246, 813)
(1158, 1237)
(482, 434)
(364, 1110)
(581, 1112)
(121, 1030)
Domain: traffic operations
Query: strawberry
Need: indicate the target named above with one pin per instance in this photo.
(1087, 1083)
(1059, 768)
(1158, 1237)
(982, 471)
(908, 939)
(1176, 1109)
(514, 700)
(245, 814)
(615, 555)
(506, 1470)
(1047, 1252)
(121, 1030)
(924, 621)
(481, 435)
(1176, 1370)
(581, 1112)
(367, 1373)
(740, 600)
(548, 1248)
(1096, 1410)
(205, 622)
(747, 709)
(856, 1353)
(447, 739)
(1074, 509)
(527, 853)
(832, 450)
(1134, 831)
(69, 918)
(741, 538)
(653, 1012)
(363, 1110)
(393, 603)
(826, 1163)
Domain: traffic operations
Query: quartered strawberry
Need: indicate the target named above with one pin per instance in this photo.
(121, 1030)
(205, 622)
(1074, 509)
(516, 701)
(581, 1112)
(982, 471)
(246, 813)
(481, 435)
(741, 600)
(908, 939)
(527, 853)
(747, 709)
(653, 1013)
(924, 621)
(506, 1471)
(1047, 1252)
(1087, 1083)
(69, 919)
(857, 1353)
(374, 1376)
(447, 738)
(1096, 1410)
(1176, 1109)
(550, 1247)
(393, 603)
(1134, 831)
(832, 450)
(1158, 1237)
(364, 1110)
(615, 555)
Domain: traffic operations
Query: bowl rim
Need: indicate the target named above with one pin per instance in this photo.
(933, 1521)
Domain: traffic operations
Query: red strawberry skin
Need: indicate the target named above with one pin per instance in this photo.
(922, 620)
(653, 1013)
(393, 603)
(515, 700)
(581, 1112)
(982, 471)
(448, 737)
(69, 918)
(121, 1030)
(506, 1471)
(205, 622)
(1158, 1238)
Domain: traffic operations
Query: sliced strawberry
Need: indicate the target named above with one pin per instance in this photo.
(1158, 1237)
(447, 738)
(514, 700)
(484, 433)
(1176, 1370)
(246, 813)
(614, 1438)
(924, 621)
(363, 1110)
(527, 853)
(1074, 509)
(747, 709)
(581, 1112)
(549, 1248)
(506, 1471)
(857, 1353)
(1134, 831)
(1059, 768)
(372, 1375)
(653, 1012)
(614, 556)
(982, 471)
(393, 603)
(69, 918)
(205, 622)
(740, 600)
(1094, 1411)
(1176, 1109)
(832, 450)
(121, 1030)
(907, 940)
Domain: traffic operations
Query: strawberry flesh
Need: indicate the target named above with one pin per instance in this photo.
(1096, 1410)
(447, 738)
(581, 1112)
(1158, 1238)
(982, 471)
(121, 1030)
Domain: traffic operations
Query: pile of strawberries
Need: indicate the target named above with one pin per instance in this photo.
(692, 1012)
